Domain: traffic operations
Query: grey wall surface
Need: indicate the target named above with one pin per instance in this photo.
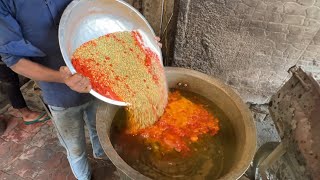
(249, 44)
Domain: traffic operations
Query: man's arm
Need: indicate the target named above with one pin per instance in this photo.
(13, 47)
(36, 71)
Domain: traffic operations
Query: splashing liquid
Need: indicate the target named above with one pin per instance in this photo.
(209, 157)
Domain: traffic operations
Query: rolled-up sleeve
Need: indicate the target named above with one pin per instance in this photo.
(13, 46)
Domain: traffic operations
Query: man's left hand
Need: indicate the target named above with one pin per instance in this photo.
(76, 82)
(158, 41)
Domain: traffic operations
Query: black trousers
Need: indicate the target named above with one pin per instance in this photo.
(10, 82)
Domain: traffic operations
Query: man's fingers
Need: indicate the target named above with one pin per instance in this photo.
(82, 84)
(157, 38)
(87, 89)
(65, 71)
(74, 80)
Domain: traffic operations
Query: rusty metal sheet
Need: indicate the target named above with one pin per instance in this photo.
(295, 110)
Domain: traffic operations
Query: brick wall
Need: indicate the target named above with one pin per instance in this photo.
(249, 44)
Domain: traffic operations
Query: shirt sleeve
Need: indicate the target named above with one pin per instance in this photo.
(13, 46)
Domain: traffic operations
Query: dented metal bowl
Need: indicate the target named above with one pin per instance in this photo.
(83, 21)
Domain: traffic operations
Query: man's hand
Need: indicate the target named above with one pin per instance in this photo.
(158, 41)
(76, 82)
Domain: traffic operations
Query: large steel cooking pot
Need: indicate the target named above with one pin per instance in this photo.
(214, 90)
(84, 20)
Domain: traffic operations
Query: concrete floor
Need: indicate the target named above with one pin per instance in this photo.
(34, 152)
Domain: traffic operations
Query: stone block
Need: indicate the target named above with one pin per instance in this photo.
(265, 51)
(313, 13)
(311, 31)
(258, 16)
(316, 39)
(299, 46)
(220, 2)
(273, 17)
(292, 53)
(309, 55)
(277, 27)
(276, 37)
(301, 38)
(258, 24)
(251, 3)
(294, 39)
(243, 9)
(257, 32)
(277, 53)
(261, 6)
(293, 19)
(293, 8)
(276, 7)
(317, 3)
(233, 24)
(306, 2)
(295, 30)
(311, 23)
(232, 4)
(282, 46)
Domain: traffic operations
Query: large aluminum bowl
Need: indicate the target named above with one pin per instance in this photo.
(84, 20)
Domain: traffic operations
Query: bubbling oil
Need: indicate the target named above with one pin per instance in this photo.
(210, 157)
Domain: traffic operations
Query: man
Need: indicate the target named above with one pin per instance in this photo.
(12, 87)
(29, 46)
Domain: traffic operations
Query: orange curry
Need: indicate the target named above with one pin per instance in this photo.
(182, 123)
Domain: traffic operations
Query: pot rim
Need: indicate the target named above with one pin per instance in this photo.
(250, 129)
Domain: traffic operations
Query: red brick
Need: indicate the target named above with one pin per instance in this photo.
(24, 168)
(65, 164)
(54, 145)
(36, 154)
(60, 175)
(33, 128)
(5, 176)
(50, 123)
(18, 136)
(9, 152)
(42, 138)
(54, 161)
(71, 177)
(2, 141)
(11, 125)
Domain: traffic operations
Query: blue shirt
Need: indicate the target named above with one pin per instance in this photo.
(29, 29)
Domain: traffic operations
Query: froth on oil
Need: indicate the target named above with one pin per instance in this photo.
(208, 157)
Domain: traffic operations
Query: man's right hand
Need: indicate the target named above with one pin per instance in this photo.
(76, 82)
